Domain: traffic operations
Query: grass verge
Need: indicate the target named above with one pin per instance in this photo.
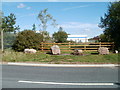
(41, 57)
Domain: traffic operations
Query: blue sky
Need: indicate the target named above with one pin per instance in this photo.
(77, 18)
(59, 0)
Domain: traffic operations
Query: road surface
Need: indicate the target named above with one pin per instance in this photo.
(59, 77)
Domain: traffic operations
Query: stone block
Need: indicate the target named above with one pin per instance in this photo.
(103, 50)
(55, 50)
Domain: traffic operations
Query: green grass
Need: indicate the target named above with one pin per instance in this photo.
(41, 57)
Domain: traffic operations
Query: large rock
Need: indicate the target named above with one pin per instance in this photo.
(30, 51)
(78, 52)
(55, 50)
(116, 51)
(103, 50)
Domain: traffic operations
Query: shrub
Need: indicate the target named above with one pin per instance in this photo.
(60, 36)
(27, 39)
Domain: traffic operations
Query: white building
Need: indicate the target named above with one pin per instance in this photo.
(78, 38)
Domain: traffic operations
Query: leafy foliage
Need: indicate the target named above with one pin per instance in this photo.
(111, 23)
(1, 14)
(8, 23)
(34, 27)
(45, 18)
(27, 39)
(60, 36)
(104, 38)
(44, 35)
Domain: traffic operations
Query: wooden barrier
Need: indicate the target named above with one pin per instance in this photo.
(72, 46)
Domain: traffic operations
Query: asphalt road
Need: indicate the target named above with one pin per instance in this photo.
(13, 75)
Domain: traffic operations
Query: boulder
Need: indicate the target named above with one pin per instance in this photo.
(30, 51)
(78, 52)
(55, 50)
(103, 50)
(116, 51)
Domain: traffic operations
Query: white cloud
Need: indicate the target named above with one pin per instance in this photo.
(78, 28)
(78, 25)
(87, 30)
(28, 8)
(21, 5)
(33, 14)
(75, 7)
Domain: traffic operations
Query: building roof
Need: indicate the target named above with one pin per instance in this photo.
(95, 38)
(77, 36)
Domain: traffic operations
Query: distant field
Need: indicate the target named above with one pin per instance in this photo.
(41, 57)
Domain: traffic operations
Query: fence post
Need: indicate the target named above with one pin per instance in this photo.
(84, 47)
(100, 44)
(42, 46)
(54, 43)
(2, 46)
(69, 46)
(113, 46)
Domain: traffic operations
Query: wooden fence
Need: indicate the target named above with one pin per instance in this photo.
(72, 46)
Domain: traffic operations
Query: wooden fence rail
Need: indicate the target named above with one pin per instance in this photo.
(72, 46)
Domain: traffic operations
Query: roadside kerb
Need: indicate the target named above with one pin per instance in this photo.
(64, 65)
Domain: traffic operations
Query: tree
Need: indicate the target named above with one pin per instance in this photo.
(1, 31)
(34, 27)
(111, 23)
(104, 38)
(1, 15)
(17, 29)
(44, 35)
(8, 23)
(54, 24)
(45, 18)
(60, 36)
(27, 39)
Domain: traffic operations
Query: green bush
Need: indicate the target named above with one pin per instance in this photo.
(60, 36)
(27, 39)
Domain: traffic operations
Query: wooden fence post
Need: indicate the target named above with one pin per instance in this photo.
(113, 46)
(42, 46)
(54, 43)
(69, 46)
(100, 44)
(84, 47)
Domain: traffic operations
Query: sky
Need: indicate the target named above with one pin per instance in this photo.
(59, 0)
(76, 18)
